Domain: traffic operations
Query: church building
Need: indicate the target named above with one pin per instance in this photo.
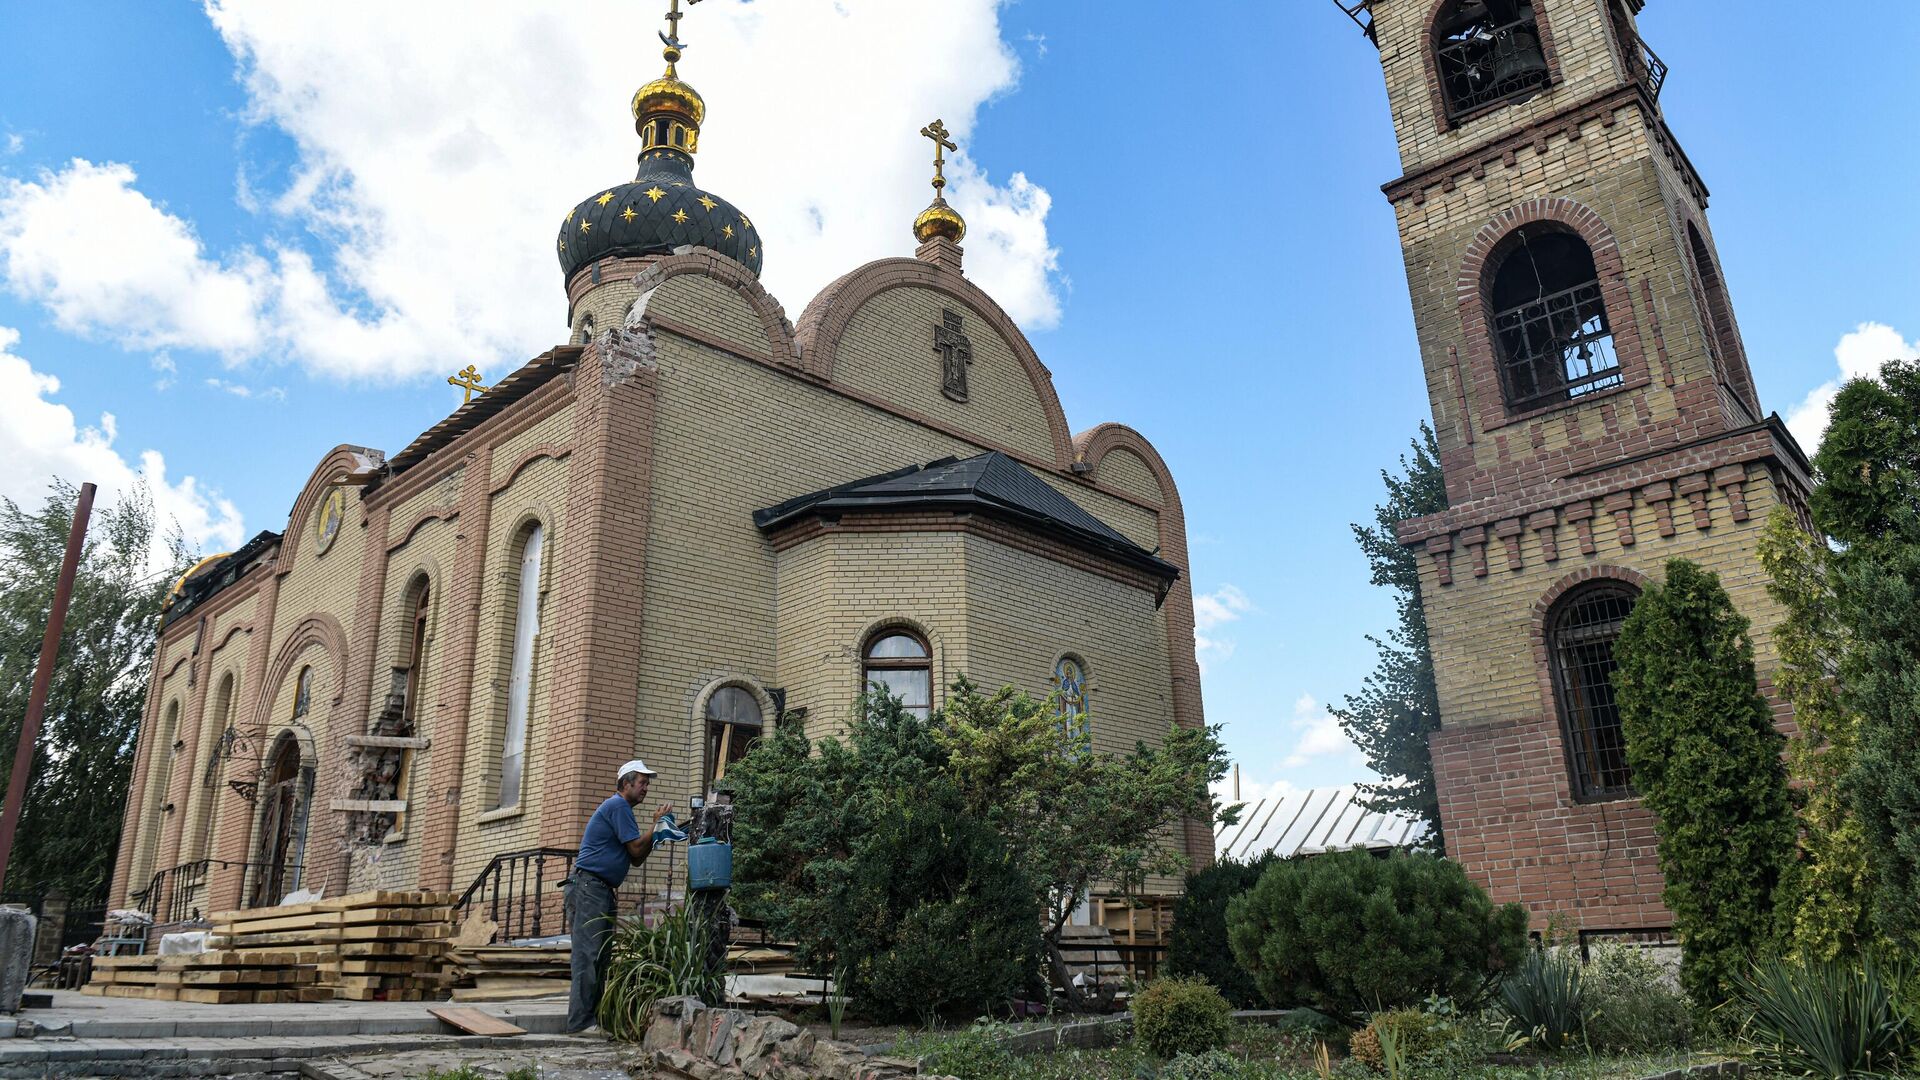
(1596, 417)
(689, 520)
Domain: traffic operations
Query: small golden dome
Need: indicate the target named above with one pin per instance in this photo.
(939, 219)
(667, 94)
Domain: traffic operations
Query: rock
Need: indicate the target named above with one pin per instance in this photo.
(17, 926)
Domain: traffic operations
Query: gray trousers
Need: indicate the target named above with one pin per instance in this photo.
(591, 906)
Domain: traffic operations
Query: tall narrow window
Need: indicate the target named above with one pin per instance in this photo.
(209, 784)
(900, 663)
(526, 632)
(1581, 631)
(1723, 341)
(1487, 51)
(1550, 324)
(734, 723)
(411, 688)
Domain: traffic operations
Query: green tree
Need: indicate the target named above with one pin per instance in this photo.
(70, 829)
(1197, 945)
(1706, 759)
(1828, 901)
(1868, 500)
(1398, 705)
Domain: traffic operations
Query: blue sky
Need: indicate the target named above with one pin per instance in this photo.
(253, 230)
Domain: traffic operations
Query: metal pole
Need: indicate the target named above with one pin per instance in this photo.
(43, 679)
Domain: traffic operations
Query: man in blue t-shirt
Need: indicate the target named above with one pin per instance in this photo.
(612, 843)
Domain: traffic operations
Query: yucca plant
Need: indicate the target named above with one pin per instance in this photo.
(1544, 1000)
(671, 959)
(1830, 1018)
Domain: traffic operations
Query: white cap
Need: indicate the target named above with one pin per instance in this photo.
(636, 765)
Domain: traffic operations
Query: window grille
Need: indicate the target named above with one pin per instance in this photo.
(1581, 637)
(1550, 323)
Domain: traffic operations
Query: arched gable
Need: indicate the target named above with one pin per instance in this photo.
(317, 628)
(824, 325)
(341, 460)
(716, 267)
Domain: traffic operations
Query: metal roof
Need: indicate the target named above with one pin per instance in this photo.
(1309, 823)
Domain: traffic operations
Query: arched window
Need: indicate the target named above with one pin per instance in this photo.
(1723, 339)
(899, 662)
(410, 681)
(526, 632)
(1485, 52)
(303, 692)
(209, 783)
(734, 723)
(1550, 325)
(1581, 630)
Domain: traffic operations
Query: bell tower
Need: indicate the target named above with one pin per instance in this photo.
(1595, 412)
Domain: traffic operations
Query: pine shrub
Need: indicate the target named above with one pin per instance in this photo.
(1350, 932)
(1706, 760)
(1198, 943)
(1181, 1015)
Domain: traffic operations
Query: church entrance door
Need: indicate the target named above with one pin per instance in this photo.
(283, 795)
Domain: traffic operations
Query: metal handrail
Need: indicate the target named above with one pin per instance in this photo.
(512, 891)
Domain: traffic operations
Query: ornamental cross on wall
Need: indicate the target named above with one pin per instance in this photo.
(956, 352)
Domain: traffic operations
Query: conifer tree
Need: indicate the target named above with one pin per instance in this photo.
(1398, 705)
(1706, 760)
(1868, 500)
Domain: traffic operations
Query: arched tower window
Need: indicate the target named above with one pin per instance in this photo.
(526, 633)
(1723, 338)
(1485, 52)
(1550, 325)
(899, 662)
(1581, 631)
(734, 723)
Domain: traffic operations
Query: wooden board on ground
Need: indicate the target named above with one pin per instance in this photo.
(461, 993)
(475, 1022)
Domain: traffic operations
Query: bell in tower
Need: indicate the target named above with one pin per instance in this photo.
(1487, 51)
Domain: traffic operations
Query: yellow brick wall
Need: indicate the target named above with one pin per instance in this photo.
(539, 492)
(229, 659)
(1481, 628)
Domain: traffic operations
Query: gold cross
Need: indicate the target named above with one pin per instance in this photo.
(937, 131)
(672, 36)
(468, 381)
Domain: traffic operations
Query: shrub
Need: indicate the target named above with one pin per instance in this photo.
(1706, 759)
(1198, 942)
(1178, 1015)
(971, 1054)
(1349, 932)
(1823, 1018)
(654, 962)
(1414, 1033)
(1633, 1005)
(1545, 999)
(1211, 1065)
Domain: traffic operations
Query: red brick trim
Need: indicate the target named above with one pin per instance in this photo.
(337, 461)
(1474, 161)
(1537, 626)
(1091, 448)
(315, 628)
(827, 317)
(544, 450)
(556, 394)
(1470, 291)
(1429, 68)
(781, 347)
(443, 512)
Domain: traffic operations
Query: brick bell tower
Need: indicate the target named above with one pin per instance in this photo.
(1595, 413)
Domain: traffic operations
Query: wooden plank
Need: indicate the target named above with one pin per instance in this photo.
(400, 915)
(476, 994)
(306, 920)
(391, 742)
(475, 1022)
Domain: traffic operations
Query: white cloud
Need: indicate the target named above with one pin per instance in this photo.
(1253, 789)
(14, 143)
(162, 362)
(42, 440)
(1210, 612)
(1860, 354)
(242, 390)
(1316, 734)
(440, 143)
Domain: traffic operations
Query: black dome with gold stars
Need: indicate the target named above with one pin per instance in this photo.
(661, 209)
(657, 212)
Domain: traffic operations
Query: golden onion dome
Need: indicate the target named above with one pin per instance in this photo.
(939, 219)
(669, 95)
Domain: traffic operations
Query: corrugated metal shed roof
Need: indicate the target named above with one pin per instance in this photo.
(1311, 822)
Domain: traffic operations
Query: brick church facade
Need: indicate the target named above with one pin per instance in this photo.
(1595, 415)
(693, 518)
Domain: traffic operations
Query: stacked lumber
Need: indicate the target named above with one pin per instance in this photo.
(372, 946)
(212, 978)
(511, 972)
(762, 958)
(1090, 957)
